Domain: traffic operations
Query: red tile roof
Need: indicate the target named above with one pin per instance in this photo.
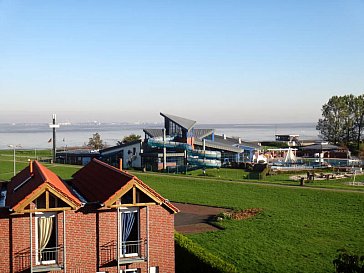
(100, 182)
(25, 183)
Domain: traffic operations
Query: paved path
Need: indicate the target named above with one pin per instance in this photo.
(195, 218)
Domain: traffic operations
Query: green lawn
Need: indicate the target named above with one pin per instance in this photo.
(22, 156)
(298, 231)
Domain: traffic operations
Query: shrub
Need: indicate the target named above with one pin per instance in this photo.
(348, 263)
(191, 257)
(259, 171)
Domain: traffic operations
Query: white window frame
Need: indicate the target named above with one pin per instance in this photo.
(134, 270)
(154, 269)
(37, 216)
(128, 210)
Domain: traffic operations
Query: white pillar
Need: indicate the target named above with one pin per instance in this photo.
(64, 241)
(31, 242)
(118, 240)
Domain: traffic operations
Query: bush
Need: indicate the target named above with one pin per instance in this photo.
(190, 257)
(259, 171)
(348, 263)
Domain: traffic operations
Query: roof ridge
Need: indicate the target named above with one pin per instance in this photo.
(41, 171)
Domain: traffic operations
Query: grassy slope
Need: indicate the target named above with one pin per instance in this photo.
(7, 169)
(299, 230)
(282, 179)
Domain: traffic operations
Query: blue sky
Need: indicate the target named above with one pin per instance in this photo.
(211, 61)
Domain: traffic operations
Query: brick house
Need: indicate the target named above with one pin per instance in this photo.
(102, 220)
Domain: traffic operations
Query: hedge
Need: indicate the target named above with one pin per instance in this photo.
(192, 258)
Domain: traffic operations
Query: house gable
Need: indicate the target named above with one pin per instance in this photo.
(132, 194)
(45, 199)
(111, 187)
(32, 182)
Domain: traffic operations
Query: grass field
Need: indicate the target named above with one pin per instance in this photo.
(299, 230)
(280, 178)
(22, 156)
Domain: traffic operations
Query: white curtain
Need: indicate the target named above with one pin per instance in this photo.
(45, 226)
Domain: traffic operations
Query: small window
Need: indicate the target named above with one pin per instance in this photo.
(154, 269)
(129, 271)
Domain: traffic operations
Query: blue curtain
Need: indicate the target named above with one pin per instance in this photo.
(128, 222)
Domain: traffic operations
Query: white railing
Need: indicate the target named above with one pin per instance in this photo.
(49, 256)
(131, 249)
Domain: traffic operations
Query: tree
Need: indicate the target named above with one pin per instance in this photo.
(343, 120)
(95, 142)
(129, 138)
(358, 118)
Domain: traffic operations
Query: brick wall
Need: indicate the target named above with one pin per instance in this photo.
(91, 241)
(4, 243)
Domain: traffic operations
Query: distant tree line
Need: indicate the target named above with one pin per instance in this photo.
(342, 120)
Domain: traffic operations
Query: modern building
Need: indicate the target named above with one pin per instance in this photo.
(102, 220)
(324, 150)
(77, 156)
(130, 154)
(289, 140)
(180, 144)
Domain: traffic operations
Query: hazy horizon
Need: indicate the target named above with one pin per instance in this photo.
(210, 61)
(45, 119)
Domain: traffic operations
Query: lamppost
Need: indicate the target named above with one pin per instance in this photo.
(14, 147)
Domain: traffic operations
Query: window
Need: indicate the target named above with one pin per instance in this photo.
(154, 269)
(46, 237)
(129, 271)
(129, 232)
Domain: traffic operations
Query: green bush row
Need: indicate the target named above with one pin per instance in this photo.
(192, 258)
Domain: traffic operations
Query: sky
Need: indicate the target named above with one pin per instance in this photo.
(210, 61)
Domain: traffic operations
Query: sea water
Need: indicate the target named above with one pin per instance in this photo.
(39, 135)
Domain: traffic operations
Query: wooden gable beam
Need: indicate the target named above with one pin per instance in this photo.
(134, 186)
(38, 192)
(112, 200)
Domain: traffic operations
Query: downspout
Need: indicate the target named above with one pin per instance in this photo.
(148, 265)
(118, 240)
(31, 242)
(64, 241)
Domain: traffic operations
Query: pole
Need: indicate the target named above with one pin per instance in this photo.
(64, 242)
(14, 160)
(147, 219)
(31, 241)
(54, 137)
(118, 239)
